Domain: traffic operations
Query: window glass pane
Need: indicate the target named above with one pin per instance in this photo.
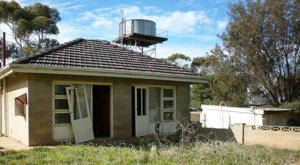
(88, 94)
(168, 116)
(168, 92)
(168, 104)
(19, 108)
(62, 118)
(138, 101)
(154, 104)
(61, 104)
(60, 89)
(82, 103)
(76, 109)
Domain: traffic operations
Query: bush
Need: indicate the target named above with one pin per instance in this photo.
(292, 105)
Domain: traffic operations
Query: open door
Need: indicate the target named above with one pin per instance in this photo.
(141, 112)
(80, 114)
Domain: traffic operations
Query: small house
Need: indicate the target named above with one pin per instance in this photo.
(86, 89)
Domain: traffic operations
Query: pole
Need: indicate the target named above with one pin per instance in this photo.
(3, 49)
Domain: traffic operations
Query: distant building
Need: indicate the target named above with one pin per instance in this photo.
(213, 116)
(258, 100)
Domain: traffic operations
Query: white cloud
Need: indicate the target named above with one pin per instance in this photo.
(175, 23)
(191, 50)
(68, 32)
(221, 25)
(9, 34)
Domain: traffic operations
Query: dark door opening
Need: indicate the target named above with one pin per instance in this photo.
(101, 110)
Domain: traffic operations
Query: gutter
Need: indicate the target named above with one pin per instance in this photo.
(22, 68)
(6, 71)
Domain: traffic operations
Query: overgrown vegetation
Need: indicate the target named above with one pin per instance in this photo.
(292, 105)
(146, 152)
(259, 55)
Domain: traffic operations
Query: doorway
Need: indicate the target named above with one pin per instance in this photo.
(101, 111)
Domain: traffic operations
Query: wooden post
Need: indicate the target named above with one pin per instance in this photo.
(3, 49)
(243, 133)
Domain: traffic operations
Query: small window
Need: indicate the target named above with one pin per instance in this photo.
(19, 108)
(168, 93)
(62, 118)
(168, 116)
(60, 89)
(61, 104)
(20, 105)
(168, 104)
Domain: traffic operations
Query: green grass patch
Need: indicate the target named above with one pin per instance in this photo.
(214, 152)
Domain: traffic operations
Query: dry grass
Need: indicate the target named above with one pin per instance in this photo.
(152, 152)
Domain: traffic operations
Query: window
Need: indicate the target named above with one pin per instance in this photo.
(60, 89)
(19, 108)
(20, 105)
(154, 104)
(62, 118)
(161, 104)
(168, 104)
(168, 93)
(61, 106)
(168, 116)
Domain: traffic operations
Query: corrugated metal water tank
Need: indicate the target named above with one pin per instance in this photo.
(140, 26)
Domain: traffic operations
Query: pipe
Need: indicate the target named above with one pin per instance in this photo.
(3, 49)
(222, 117)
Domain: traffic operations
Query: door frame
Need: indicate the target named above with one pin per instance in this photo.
(110, 106)
(58, 82)
(135, 105)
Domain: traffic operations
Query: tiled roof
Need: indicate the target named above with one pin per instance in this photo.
(100, 54)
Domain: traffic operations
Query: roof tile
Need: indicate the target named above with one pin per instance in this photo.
(100, 54)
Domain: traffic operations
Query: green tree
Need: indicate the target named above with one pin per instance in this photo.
(179, 60)
(200, 94)
(226, 84)
(12, 50)
(30, 25)
(262, 40)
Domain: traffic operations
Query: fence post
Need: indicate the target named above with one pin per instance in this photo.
(243, 133)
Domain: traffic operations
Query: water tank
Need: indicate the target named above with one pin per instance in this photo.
(138, 26)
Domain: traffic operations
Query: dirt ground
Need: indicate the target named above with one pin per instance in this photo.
(7, 143)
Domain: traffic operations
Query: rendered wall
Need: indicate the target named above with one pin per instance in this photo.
(221, 117)
(277, 139)
(40, 94)
(18, 124)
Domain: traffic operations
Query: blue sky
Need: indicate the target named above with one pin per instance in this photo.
(192, 25)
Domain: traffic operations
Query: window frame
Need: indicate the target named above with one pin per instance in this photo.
(70, 84)
(164, 110)
(59, 111)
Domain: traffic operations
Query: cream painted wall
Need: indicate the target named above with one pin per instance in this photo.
(17, 124)
(277, 139)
